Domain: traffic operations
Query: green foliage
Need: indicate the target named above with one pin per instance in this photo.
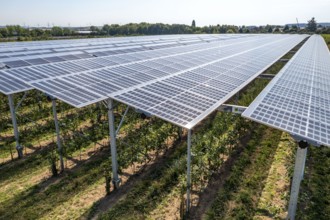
(243, 186)
(327, 39)
(193, 24)
(312, 25)
(18, 33)
(270, 30)
(57, 31)
(4, 32)
(94, 29)
(230, 31)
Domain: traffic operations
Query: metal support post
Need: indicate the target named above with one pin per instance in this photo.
(297, 178)
(237, 98)
(116, 179)
(236, 109)
(57, 127)
(188, 169)
(19, 148)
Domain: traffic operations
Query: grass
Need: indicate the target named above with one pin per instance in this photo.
(242, 191)
(327, 39)
(275, 194)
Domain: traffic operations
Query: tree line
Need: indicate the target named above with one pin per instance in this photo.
(17, 32)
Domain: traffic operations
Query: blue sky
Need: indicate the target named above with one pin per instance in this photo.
(205, 12)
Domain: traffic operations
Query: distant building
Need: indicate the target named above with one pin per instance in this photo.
(84, 32)
(304, 25)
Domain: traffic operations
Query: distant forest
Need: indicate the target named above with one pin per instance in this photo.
(18, 33)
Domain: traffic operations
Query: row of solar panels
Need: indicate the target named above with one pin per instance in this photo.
(29, 57)
(298, 99)
(61, 46)
(170, 86)
(16, 46)
(12, 80)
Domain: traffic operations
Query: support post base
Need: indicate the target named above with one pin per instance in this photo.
(19, 150)
(116, 183)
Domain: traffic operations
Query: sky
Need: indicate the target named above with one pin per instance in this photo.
(205, 12)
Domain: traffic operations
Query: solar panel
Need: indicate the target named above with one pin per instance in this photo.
(17, 63)
(171, 96)
(8, 83)
(62, 68)
(298, 99)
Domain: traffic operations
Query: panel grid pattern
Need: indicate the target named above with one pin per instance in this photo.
(62, 51)
(298, 98)
(39, 72)
(184, 94)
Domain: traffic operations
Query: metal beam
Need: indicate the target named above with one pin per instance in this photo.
(57, 127)
(115, 179)
(298, 176)
(232, 108)
(266, 76)
(237, 98)
(122, 121)
(19, 148)
(188, 169)
(147, 114)
(20, 102)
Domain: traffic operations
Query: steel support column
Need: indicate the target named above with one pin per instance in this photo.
(112, 130)
(57, 127)
(237, 98)
(188, 169)
(297, 178)
(19, 148)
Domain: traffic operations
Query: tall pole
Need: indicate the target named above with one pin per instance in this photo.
(188, 169)
(113, 148)
(57, 127)
(19, 148)
(298, 176)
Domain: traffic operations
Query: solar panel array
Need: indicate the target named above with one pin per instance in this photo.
(30, 54)
(31, 73)
(183, 87)
(298, 99)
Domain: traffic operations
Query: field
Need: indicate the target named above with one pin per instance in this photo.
(327, 38)
(240, 169)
